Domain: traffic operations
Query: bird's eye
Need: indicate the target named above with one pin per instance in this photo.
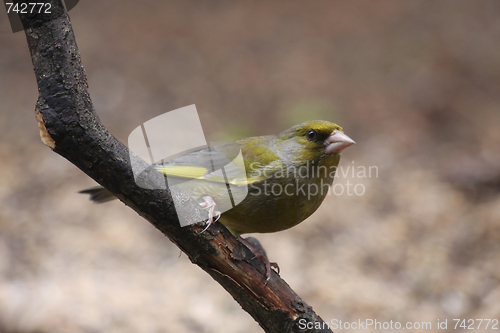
(311, 135)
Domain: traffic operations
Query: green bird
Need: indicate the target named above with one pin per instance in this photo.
(279, 182)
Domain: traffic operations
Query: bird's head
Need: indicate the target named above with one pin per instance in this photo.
(317, 141)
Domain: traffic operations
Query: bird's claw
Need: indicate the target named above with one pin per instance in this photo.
(268, 269)
(258, 253)
(209, 203)
(276, 267)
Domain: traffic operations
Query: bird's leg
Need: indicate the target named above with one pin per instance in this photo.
(259, 252)
(209, 203)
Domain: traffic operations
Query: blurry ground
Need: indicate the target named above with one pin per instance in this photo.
(416, 84)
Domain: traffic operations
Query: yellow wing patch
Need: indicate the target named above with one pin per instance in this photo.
(191, 172)
(184, 171)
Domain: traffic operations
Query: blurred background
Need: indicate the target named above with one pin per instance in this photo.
(415, 83)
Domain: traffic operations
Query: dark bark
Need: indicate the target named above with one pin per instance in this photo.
(69, 125)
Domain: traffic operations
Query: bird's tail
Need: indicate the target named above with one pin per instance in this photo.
(99, 194)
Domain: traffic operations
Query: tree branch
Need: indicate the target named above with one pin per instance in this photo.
(69, 125)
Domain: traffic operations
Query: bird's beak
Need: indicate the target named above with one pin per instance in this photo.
(337, 142)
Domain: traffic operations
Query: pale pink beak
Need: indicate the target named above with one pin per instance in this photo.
(337, 142)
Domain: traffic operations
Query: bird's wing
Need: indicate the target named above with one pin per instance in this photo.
(221, 163)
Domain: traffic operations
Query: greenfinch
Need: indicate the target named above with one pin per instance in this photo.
(281, 180)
